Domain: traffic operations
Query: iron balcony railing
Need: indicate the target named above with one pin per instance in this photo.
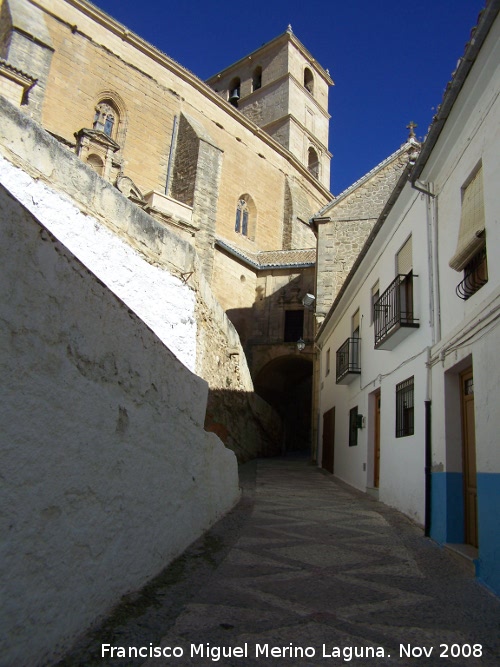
(348, 359)
(394, 309)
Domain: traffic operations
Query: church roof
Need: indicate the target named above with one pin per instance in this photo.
(271, 259)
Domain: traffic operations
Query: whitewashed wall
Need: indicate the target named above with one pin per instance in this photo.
(401, 459)
(107, 471)
(470, 336)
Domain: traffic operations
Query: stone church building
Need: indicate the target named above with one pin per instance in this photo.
(237, 166)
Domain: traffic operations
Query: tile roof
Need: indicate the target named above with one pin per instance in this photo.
(267, 259)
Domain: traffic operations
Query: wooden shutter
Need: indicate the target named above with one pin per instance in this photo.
(471, 235)
(404, 258)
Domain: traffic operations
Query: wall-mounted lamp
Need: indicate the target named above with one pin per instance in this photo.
(308, 300)
(301, 345)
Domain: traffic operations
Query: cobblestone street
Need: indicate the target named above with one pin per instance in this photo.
(306, 571)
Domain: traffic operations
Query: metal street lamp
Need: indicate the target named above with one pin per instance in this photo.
(300, 345)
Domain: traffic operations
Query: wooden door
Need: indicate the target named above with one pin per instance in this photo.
(469, 457)
(376, 442)
(328, 440)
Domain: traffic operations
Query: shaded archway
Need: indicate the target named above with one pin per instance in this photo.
(286, 384)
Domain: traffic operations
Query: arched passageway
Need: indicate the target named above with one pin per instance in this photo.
(286, 384)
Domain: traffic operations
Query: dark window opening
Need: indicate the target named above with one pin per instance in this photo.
(234, 92)
(353, 427)
(309, 81)
(313, 162)
(294, 325)
(257, 78)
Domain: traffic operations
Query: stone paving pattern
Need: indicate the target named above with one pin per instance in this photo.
(306, 561)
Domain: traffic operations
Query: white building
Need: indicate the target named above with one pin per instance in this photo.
(374, 344)
(460, 164)
(412, 336)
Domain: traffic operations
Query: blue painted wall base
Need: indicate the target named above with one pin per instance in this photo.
(447, 519)
(488, 509)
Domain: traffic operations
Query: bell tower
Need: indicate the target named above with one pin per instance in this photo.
(282, 89)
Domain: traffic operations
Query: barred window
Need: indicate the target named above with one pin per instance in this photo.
(404, 408)
(353, 427)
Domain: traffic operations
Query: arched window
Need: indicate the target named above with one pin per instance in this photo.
(257, 78)
(241, 224)
(96, 163)
(246, 215)
(105, 118)
(309, 80)
(313, 162)
(234, 91)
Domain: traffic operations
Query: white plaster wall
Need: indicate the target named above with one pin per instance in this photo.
(471, 136)
(401, 459)
(468, 328)
(107, 472)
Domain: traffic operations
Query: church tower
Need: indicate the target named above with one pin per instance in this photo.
(282, 89)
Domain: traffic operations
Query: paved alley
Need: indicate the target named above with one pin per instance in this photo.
(305, 571)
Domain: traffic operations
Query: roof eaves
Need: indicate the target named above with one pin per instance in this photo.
(256, 263)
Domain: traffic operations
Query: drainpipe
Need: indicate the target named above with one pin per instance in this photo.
(428, 465)
(435, 326)
(171, 156)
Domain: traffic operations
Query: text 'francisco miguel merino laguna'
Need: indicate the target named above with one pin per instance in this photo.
(215, 653)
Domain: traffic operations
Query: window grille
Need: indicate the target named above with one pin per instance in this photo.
(404, 408)
(475, 276)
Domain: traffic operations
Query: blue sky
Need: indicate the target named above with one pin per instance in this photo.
(390, 60)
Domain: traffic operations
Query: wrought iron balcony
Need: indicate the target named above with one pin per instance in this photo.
(393, 316)
(348, 360)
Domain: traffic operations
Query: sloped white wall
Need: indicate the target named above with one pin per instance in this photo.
(107, 472)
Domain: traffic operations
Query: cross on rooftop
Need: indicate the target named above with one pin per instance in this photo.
(411, 126)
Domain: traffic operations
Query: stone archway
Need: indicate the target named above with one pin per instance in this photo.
(286, 384)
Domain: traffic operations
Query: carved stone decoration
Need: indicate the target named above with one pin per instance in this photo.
(92, 144)
(128, 188)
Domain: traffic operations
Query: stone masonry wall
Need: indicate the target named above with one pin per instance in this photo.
(29, 48)
(94, 56)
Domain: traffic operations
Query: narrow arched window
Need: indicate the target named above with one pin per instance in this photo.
(309, 80)
(313, 162)
(257, 78)
(246, 217)
(241, 224)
